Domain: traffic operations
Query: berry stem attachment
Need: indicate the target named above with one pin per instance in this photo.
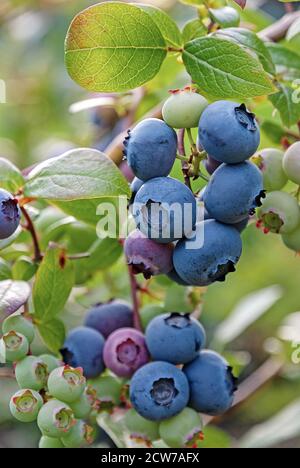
(135, 300)
(175, 49)
(184, 164)
(182, 158)
(30, 227)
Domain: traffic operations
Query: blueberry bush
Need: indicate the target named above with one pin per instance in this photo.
(140, 257)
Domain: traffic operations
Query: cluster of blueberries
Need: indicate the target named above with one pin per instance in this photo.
(169, 217)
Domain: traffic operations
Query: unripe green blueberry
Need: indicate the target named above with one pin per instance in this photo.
(182, 430)
(291, 163)
(50, 361)
(25, 405)
(16, 346)
(141, 428)
(81, 435)
(82, 408)
(183, 109)
(279, 213)
(18, 323)
(292, 240)
(50, 443)
(32, 373)
(108, 391)
(66, 383)
(269, 161)
(55, 419)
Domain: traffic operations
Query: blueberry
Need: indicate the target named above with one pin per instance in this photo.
(292, 240)
(50, 361)
(82, 408)
(84, 348)
(141, 428)
(212, 384)
(147, 256)
(279, 213)
(151, 149)
(159, 391)
(55, 419)
(108, 390)
(219, 249)
(19, 324)
(135, 187)
(291, 163)
(50, 443)
(241, 226)
(173, 275)
(66, 383)
(269, 161)
(211, 164)
(16, 346)
(32, 373)
(228, 132)
(184, 108)
(175, 338)
(81, 435)
(234, 192)
(25, 405)
(106, 318)
(125, 351)
(182, 430)
(165, 209)
(10, 214)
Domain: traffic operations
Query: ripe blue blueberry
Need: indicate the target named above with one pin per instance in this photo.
(173, 275)
(212, 384)
(147, 256)
(229, 132)
(165, 210)
(175, 338)
(106, 318)
(125, 351)
(210, 255)
(10, 214)
(211, 164)
(84, 348)
(159, 390)
(234, 192)
(150, 149)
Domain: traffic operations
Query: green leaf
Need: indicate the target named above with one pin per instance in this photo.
(283, 57)
(165, 23)
(76, 175)
(250, 309)
(24, 269)
(11, 178)
(5, 270)
(13, 295)
(225, 70)
(103, 254)
(252, 42)
(286, 101)
(293, 31)
(53, 284)
(177, 298)
(192, 30)
(53, 334)
(274, 131)
(113, 47)
(226, 17)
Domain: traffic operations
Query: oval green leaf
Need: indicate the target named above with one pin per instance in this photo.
(226, 17)
(11, 178)
(113, 47)
(225, 70)
(193, 29)
(76, 175)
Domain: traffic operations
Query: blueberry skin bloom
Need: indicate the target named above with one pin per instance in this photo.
(165, 210)
(125, 351)
(159, 391)
(146, 256)
(229, 132)
(84, 348)
(175, 338)
(10, 214)
(234, 192)
(212, 259)
(150, 149)
(212, 384)
(106, 318)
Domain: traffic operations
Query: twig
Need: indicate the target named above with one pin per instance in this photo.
(252, 384)
(6, 373)
(30, 227)
(278, 30)
(184, 164)
(135, 300)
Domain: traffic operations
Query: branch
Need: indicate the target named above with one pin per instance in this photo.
(6, 373)
(30, 227)
(278, 30)
(184, 164)
(135, 301)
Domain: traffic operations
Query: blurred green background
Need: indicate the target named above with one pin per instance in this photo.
(36, 123)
